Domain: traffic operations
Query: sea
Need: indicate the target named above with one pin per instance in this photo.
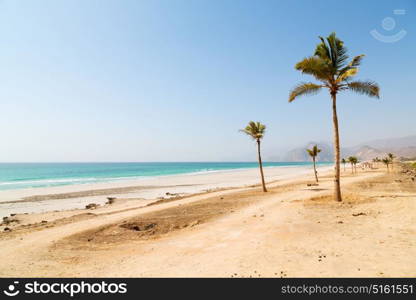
(33, 175)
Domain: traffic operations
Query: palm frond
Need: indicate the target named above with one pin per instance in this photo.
(322, 50)
(256, 130)
(356, 61)
(368, 88)
(316, 67)
(314, 151)
(332, 50)
(347, 74)
(304, 89)
(339, 52)
(354, 64)
(352, 159)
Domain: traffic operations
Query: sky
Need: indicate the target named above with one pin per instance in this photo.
(174, 80)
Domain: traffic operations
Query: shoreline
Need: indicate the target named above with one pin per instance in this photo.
(294, 230)
(78, 181)
(77, 196)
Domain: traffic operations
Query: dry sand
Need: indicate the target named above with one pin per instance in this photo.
(291, 231)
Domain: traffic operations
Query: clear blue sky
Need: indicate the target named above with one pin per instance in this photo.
(174, 80)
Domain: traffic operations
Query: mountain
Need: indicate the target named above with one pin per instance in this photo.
(364, 152)
(401, 142)
(402, 147)
(300, 154)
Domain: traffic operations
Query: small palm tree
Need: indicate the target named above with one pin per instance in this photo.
(375, 161)
(344, 161)
(356, 161)
(329, 66)
(256, 131)
(391, 156)
(314, 153)
(386, 161)
(378, 161)
(353, 161)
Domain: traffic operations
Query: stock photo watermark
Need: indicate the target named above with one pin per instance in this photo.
(70, 289)
(389, 24)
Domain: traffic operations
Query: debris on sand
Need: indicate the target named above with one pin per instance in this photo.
(8, 220)
(172, 194)
(359, 214)
(194, 223)
(110, 200)
(92, 206)
(136, 227)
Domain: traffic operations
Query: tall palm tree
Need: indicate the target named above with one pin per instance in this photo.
(391, 156)
(329, 66)
(256, 130)
(344, 162)
(314, 153)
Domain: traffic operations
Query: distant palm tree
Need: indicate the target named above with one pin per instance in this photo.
(329, 66)
(376, 161)
(256, 130)
(356, 161)
(391, 156)
(353, 161)
(344, 162)
(386, 161)
(314, 153)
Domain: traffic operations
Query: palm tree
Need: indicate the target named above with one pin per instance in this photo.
(314, 153)
(386, 161)
(351, 160)
(329, 66)
(344, 162)
(375, 161)
(391, 156)
(378, 161)
(355, 162)
(256, 130)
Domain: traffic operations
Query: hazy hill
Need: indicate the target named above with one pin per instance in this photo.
(300, 154)
(401, 147)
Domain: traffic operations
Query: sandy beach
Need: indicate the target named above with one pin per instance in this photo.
(146, 190)
(231, 230)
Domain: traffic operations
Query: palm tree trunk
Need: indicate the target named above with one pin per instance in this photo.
(337, 154)
(314, 170)
(261, 167)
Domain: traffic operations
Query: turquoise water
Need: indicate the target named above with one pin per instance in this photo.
(30, 175)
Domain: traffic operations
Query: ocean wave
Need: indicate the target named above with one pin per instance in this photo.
(99, 174)
(43, 181)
